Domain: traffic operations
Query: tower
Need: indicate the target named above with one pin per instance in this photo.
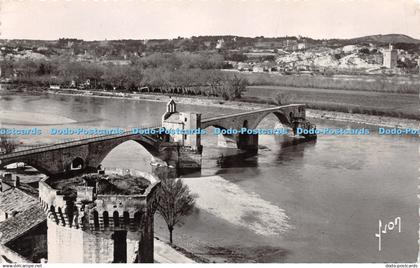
(96, 219)
(390, 57)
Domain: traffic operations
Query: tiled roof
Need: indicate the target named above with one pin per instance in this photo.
(21, 223)
(173, 118)
(16, 200)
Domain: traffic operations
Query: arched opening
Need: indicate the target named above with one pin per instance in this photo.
(96, 220)
(245, 124)
(77, 164)
(126, 217)
(116, 218)
(284, 138)
(29, 170)
(61, 217)
(128, 155)
(69, 211)
(105, 217)
(53, 212)
(218, 138)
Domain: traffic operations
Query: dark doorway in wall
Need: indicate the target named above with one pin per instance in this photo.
(120, 246)
(77, 164)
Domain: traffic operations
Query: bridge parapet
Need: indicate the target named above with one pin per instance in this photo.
(286, 114)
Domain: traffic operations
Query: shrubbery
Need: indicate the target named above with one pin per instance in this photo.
(181, 73)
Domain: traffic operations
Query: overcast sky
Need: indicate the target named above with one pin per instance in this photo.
(146, 19)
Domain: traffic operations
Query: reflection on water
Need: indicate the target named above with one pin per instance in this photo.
(330, 192)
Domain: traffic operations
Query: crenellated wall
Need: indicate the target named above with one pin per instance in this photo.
(91, 222)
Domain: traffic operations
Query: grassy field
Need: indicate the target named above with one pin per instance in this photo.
(377, 83)
(351, 101)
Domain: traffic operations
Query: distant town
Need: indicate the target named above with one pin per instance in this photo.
(380, 54)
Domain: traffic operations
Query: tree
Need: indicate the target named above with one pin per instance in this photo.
(7, 145)
(175, 201)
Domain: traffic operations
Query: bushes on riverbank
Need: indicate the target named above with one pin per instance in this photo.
(177, 73)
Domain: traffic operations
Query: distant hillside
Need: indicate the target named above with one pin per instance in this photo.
(386, 38)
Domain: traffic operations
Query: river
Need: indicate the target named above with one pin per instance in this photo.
(311, 202)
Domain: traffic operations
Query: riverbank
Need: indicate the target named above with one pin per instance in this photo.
(381, 121)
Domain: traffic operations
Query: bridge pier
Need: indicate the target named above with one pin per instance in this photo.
(226, 141)
(304, 125)
(244, 142)
(248, 142)
(178, 160)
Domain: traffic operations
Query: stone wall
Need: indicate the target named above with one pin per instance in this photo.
(69, 245)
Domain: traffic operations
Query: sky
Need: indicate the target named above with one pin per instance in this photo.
(148, 19)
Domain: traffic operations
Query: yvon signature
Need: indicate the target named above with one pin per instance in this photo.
(387, 228)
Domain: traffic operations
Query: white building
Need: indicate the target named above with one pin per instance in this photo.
(301, 46)
(220, 44)
(390, 57)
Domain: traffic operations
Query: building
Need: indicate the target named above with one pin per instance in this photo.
(187, 136)
(220, 44)
(184, 122)
(15, 198)
(100, 220)
(88, 219)
(23, 228)
(301, 46)
(257, 69)
(390, 57)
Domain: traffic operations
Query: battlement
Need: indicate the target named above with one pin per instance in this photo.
(91, 211)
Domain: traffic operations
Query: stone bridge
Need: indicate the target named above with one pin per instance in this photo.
(172, 154)
(85, 155)
(292, 116)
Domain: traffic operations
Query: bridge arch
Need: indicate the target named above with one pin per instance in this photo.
(216, 126)
(83, 157)
(283, 118)
(142, 151)
(40, 167)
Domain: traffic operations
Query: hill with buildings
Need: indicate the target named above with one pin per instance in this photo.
(386, 39)
(190, 61)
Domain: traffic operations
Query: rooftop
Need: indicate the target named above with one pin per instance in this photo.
(14, 200)
(21, 223)
(111, 184)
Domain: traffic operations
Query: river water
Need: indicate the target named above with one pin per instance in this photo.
(309, 202)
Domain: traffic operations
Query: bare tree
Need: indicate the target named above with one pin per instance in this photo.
(7, 145)
(284, 98)
(175, 201)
